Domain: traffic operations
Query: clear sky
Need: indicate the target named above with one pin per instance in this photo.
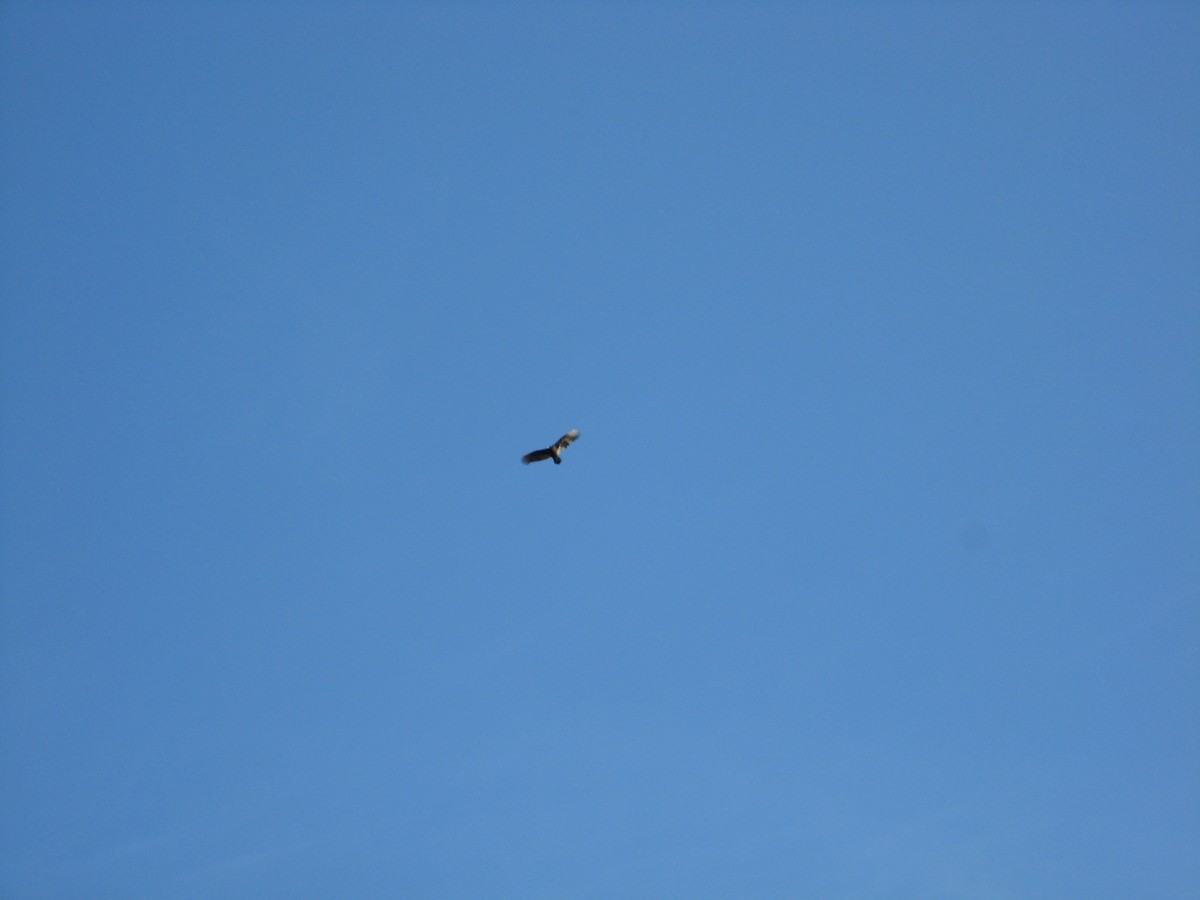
(875, 571)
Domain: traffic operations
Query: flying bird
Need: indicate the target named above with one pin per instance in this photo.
(554, 451)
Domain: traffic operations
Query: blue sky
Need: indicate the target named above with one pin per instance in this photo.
(874, 573)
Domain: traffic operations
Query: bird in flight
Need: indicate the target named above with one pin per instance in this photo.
(554, 451)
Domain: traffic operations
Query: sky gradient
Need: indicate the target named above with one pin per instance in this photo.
(875, 571)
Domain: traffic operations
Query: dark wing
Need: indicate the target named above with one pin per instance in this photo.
(567, 439)
(537, 456)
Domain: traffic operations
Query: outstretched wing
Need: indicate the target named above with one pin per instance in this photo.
(567, 439)
(537, 456)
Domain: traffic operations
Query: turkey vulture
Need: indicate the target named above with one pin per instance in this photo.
(554, 451)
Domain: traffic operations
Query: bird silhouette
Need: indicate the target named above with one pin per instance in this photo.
(554, 451)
